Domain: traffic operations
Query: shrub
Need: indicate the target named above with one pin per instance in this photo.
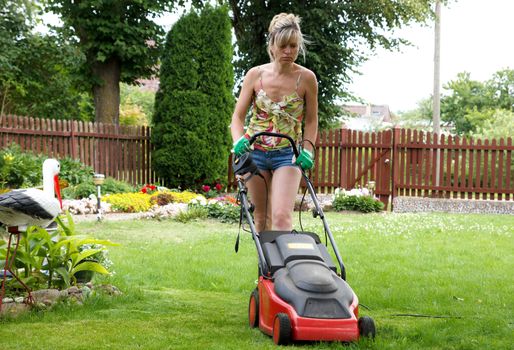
(52, 259)
(129, 202)
(87, 188)
(224, 208)
(19, 169)
(82, 190)
(192, 213)
(224, 212)
(359, 200)
(75, 172)
(194, 103)
(112, 186)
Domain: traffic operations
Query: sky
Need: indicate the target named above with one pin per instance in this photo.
(477, 36)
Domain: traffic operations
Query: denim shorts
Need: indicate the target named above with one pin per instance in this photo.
(272, 160)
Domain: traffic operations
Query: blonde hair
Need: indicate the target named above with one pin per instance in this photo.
(284, 28)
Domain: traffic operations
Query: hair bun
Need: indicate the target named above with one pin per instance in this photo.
(284, 20)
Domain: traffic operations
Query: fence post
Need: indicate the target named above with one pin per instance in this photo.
(73, 139)
(383, 186)
(343, 141)
(396, 163)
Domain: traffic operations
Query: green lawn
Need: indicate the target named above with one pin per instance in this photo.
(185, 288)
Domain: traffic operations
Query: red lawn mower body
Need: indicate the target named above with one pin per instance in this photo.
(302, 328)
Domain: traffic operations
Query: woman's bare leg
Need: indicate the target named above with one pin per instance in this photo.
(260, 193)
(285, 183)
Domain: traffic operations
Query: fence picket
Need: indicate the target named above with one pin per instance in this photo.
(493, 169)
(500, 169)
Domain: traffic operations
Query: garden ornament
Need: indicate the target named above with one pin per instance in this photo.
(22, 208)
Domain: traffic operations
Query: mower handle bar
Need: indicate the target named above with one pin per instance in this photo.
(310, 188)
(275, 134)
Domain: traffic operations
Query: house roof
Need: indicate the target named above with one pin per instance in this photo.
(380, 112)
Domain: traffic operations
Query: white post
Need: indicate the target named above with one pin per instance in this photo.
(436, 114)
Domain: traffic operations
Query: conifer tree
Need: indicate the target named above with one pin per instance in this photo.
(194, 103)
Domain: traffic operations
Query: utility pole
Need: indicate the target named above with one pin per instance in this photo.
(436, 114)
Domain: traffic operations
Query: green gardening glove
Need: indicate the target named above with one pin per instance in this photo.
(241, 146)
(305, 160)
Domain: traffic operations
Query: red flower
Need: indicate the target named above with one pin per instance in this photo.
(143, 190)
(218, 187)
(206, 188)
(153, 187)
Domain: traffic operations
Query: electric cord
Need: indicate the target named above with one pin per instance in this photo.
(305, 192)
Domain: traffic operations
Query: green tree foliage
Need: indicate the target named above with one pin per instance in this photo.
(338, 30)
(498, 124)
(136, 105)
(36, 71)
(194, 102)
(120, 41)
(469, 103)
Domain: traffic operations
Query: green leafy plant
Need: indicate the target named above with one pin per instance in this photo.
(111, 185)
(223, 208)
(18, 168)
(75, 172)
(52, 259)
(192, 213)
(87, 188)
(82, 190)
(358, 200)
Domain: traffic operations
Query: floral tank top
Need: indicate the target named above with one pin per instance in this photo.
(284, 117)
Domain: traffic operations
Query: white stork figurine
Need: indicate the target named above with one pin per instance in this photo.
(22, 208)
(32, 207)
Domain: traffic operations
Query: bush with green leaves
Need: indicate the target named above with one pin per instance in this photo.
(47, 259)
(358, 200)
(192, 213)
(75, 172)
(195, 101)
(87, 188)
(18, 168)
(112, 186)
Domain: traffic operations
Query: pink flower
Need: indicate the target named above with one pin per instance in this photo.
(206, 188)
(218, 187)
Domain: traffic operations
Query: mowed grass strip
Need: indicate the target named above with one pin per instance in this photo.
(430, 281)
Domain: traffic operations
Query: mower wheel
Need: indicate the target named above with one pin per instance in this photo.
(367, 327)
(282, 329)
(253, 309)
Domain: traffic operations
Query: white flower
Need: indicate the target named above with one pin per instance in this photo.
(354, 192)
(198, 200)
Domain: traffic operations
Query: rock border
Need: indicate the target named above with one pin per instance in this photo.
(405, 204)
(44, 299)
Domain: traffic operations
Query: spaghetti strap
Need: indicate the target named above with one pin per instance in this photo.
(298, 80)
(260, 77)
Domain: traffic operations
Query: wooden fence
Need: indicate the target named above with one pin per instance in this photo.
(399, 162)
(403, 162)
(452, 167)
(118, 151)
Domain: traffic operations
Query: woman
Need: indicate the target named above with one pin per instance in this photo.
(282, 95)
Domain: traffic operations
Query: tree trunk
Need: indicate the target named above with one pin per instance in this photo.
(107, 92)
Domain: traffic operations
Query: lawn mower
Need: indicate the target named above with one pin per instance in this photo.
(301, 294)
